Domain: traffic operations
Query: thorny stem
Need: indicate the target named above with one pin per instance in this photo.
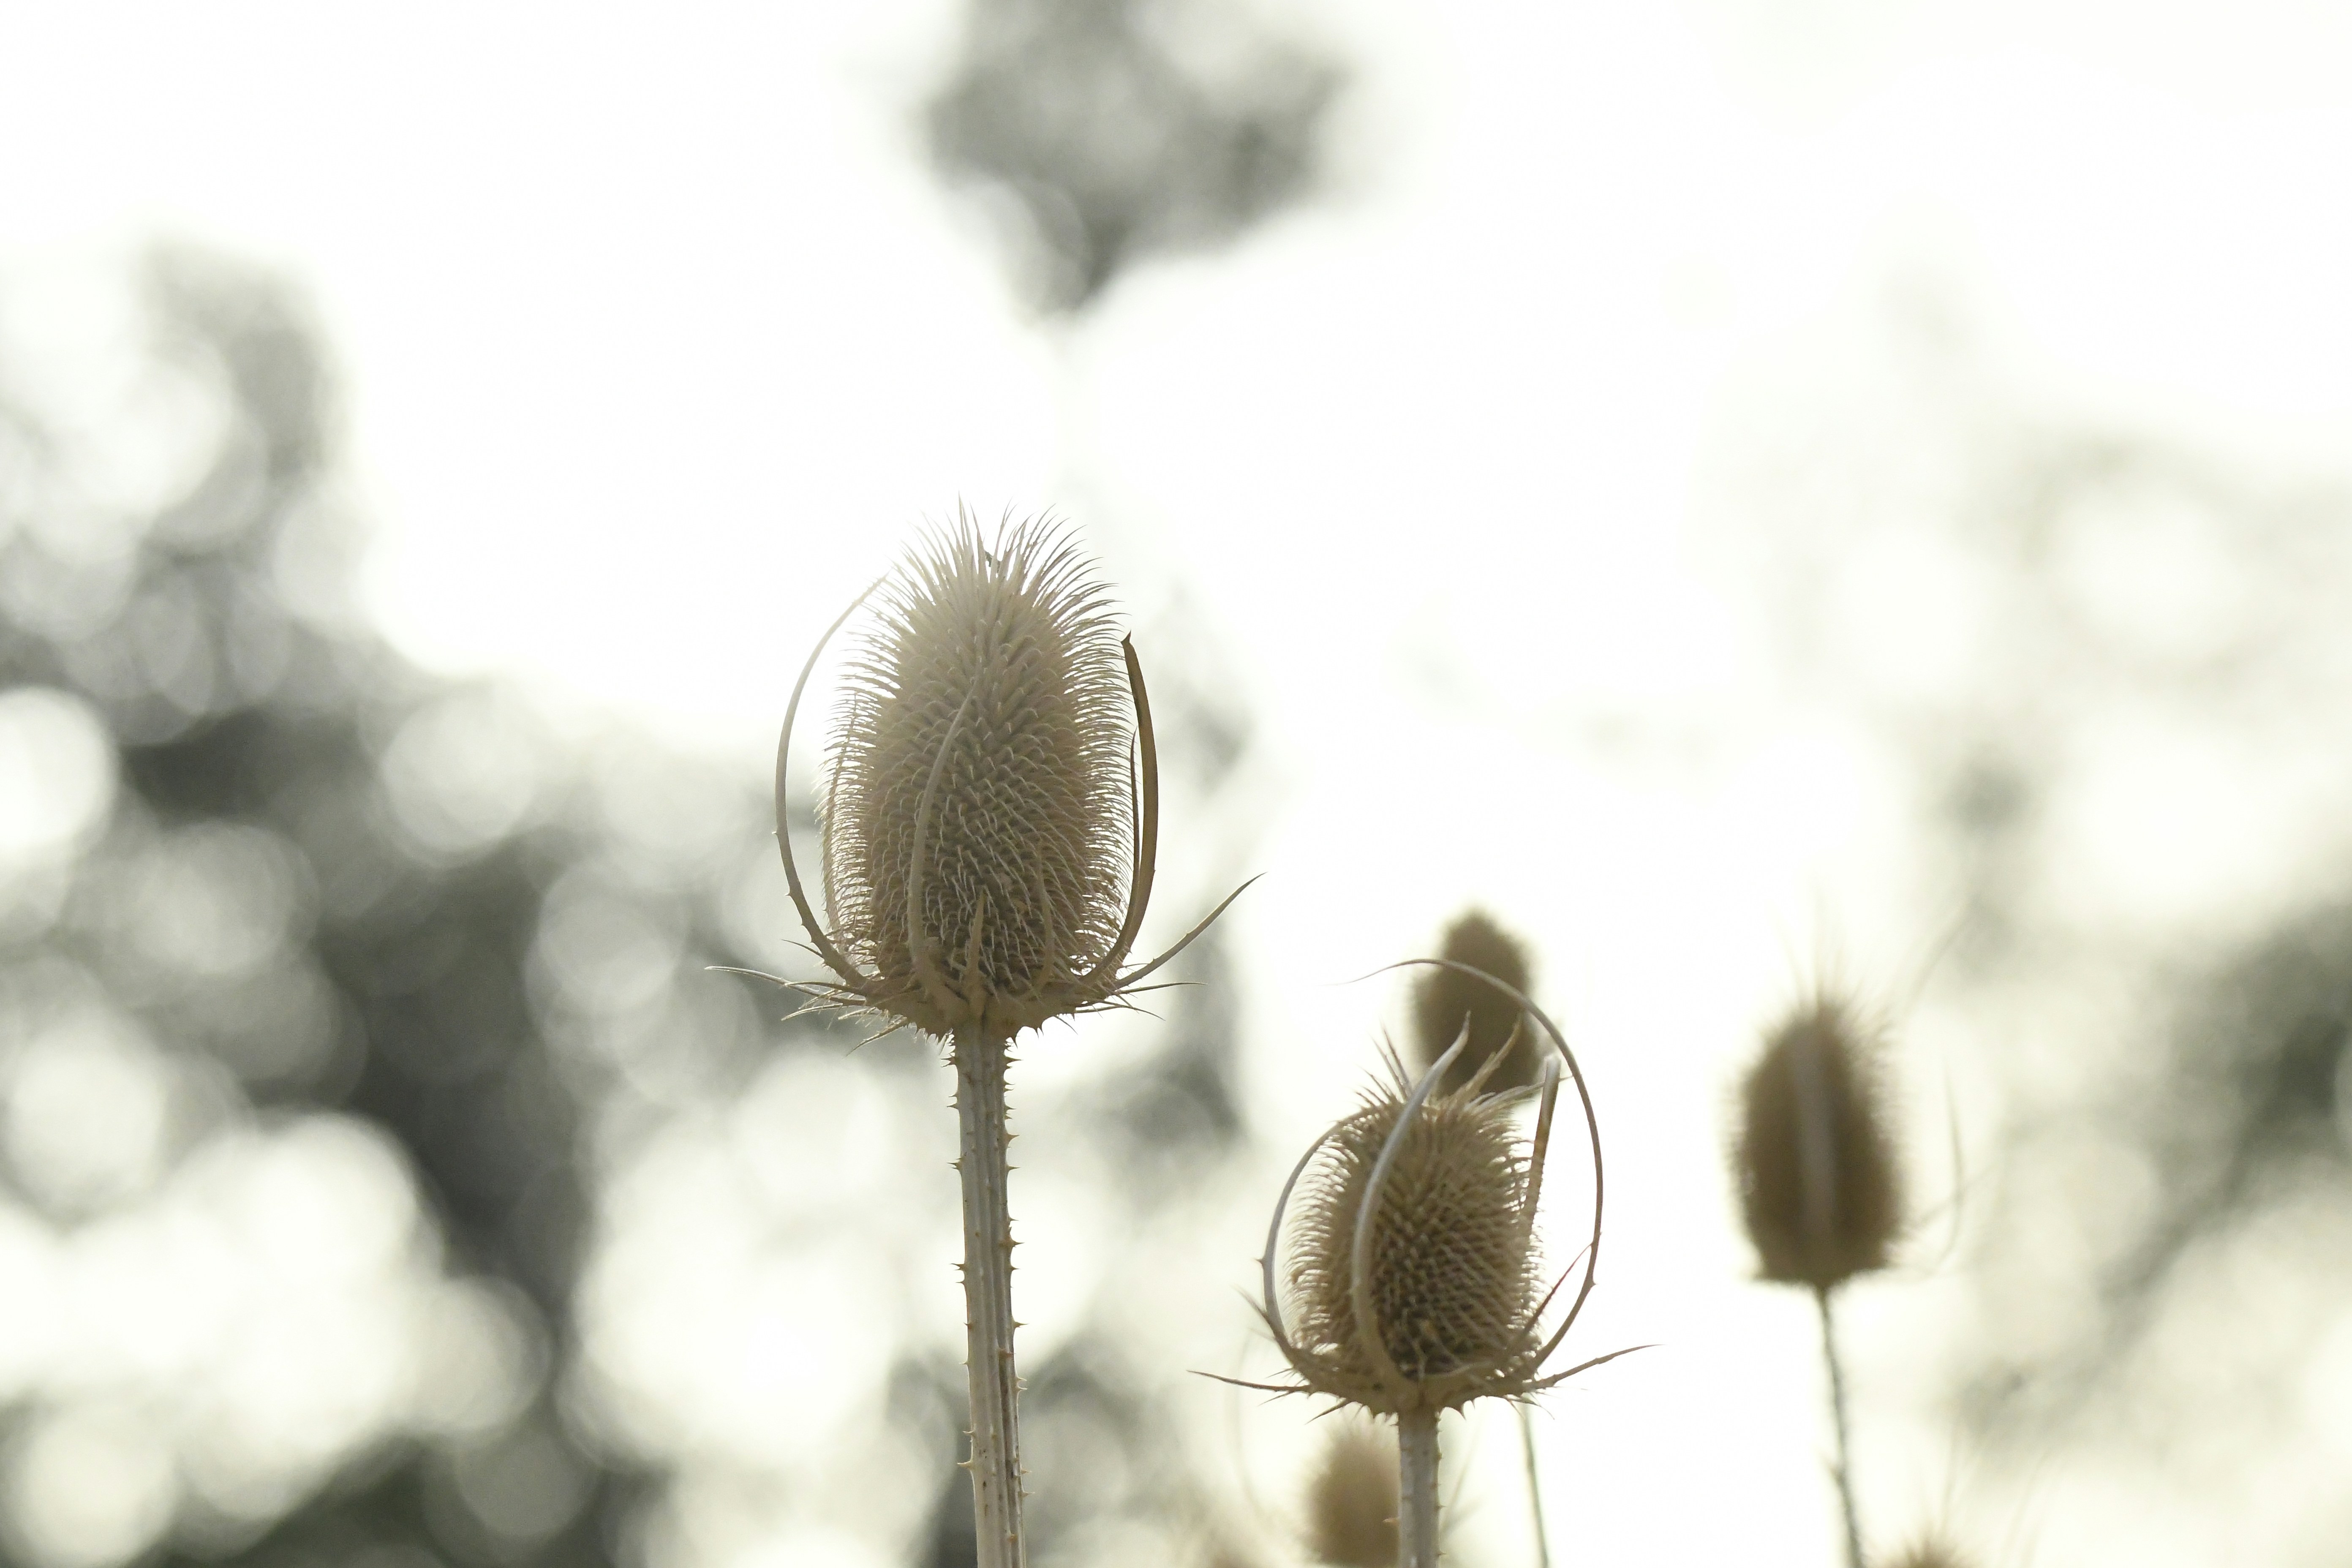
(1535, 1486)
(1837, 1411)
(1417, 1489)
(995, 1462)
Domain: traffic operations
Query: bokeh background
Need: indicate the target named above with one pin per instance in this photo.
(1743, 489)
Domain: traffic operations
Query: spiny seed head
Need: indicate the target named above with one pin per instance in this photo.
(1816, 1163)
(1444, 998)
(980, 755)
(1453, 1277)
(1351, 1501)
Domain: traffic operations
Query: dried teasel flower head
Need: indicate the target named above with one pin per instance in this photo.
(1443, 999)
(989, 848)
(1351, 1498)
(1414, 1279)
(1451, 1276)
(1816, 1160)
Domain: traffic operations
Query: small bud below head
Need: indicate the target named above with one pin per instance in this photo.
(1352, 1499)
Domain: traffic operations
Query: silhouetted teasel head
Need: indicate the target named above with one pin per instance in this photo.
(988, 844)
(1443, 999)
(1412, 1280)
(1351, 1498)
(1816, 1159)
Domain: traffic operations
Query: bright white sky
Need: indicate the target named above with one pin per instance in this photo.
(658, 339)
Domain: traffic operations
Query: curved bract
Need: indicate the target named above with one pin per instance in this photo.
(987, 859)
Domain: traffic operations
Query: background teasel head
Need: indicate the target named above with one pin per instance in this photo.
(1816, 1160)
(1443, 999)
(1413, 1280)
(1929, 1551)
(988, 846)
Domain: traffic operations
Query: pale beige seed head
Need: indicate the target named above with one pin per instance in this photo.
(1819, 1174)
(1351, 1498)
(1444, 999)
(1453, 1277)
(980, 752)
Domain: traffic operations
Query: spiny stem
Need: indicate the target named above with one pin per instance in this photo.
(1535, 1485)
(995, 1462)
(1837, 1411)
(1417, 1489)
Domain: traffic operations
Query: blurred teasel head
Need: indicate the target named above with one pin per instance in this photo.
(1413, 1279)
(1444, 1000)
(988, 844)
(1352, 1499)
(1815, 1157)
(1929, 1551)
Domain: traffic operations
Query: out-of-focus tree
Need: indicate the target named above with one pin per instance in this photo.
(1105, 131)
(313, 967)
(2111, 665)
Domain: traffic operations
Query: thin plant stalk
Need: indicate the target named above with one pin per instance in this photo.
(1535, 1485)
(995, 1461)
(1417, 1489)
(1837, 1413)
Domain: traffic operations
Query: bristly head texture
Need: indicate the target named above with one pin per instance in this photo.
(1454, 1282)
(1443, 999)
(1352, 1499)
(1816, 1160)
(984, 724)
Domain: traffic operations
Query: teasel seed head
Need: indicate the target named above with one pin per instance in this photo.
(1412, 1280)
(1816, 1159)
(989, 845)
(1453, 1278)
(1351, 1498)
(1444, 998)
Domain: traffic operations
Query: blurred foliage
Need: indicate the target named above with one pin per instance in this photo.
(319, 886)
(1109, 130)
(2108, 663)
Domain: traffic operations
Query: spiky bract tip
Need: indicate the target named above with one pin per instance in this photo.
(1453, 1277)
(979, 762)
(1443, 999)
(1820, 1184)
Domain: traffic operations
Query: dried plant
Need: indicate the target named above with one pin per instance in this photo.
(1413, 1285)
(1444, 1001)
(988, 853)
(1819, 1176)
(1931, 1551)
(1450, 1274)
